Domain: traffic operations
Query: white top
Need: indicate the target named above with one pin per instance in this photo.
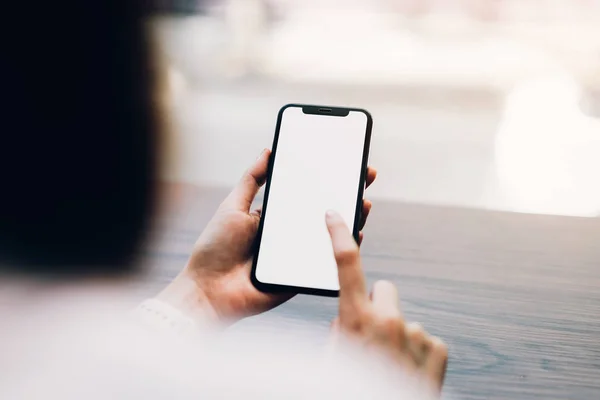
(83, 344)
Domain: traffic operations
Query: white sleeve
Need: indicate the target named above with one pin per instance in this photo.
(163, 317)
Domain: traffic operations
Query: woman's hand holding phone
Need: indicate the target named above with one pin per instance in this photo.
(216, 279)
(375, 321)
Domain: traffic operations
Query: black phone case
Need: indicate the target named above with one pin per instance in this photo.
(320, 110)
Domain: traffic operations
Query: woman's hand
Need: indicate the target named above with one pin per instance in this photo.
(375, 322)
(216, 279)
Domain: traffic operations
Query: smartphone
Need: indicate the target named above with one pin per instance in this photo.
(318, 163)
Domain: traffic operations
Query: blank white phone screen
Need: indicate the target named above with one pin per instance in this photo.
(317, 167)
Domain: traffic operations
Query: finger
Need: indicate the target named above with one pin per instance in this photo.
(371, 176)
(257, 213)
(385, 299)
(437, 361)
(418, 342)
(360, 237)
(243, 194)
(367, 205)
(350, 274)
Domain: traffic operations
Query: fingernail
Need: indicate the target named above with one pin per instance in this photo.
(261, 153)
(330, 215)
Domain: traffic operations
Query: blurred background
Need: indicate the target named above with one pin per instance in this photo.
(491, 104)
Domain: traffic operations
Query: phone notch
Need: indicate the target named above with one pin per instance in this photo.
(332, 111)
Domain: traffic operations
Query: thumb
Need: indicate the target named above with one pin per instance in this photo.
(242, 196)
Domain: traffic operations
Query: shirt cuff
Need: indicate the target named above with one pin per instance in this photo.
(163, 317)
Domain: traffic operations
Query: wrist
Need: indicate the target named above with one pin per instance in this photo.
(184, 294)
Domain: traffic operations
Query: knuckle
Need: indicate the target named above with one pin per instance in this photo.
(415, 332)
(247, 178)
(392, 326)
(355, 325)
(348, 255)
(357, 320)
(439, 348)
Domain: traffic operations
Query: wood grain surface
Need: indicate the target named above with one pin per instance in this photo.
(516, 297)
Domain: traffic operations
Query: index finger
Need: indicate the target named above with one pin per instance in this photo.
(353, 292)
(371, 176)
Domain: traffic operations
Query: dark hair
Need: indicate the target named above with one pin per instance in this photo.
(78, 137)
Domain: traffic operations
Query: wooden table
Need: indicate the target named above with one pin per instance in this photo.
(516, 297)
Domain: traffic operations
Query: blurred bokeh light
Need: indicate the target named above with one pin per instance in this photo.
(477, 103)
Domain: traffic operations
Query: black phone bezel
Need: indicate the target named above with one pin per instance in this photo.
(318, 110)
